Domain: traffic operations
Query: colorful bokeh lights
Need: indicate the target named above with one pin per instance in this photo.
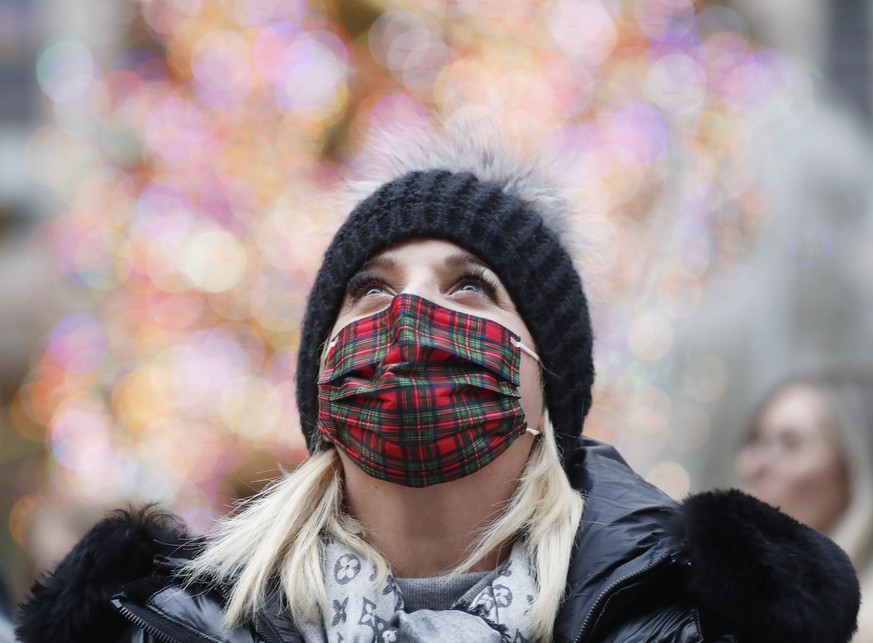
(199, 161)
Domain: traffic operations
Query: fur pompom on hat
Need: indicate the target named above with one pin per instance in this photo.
(505, 212)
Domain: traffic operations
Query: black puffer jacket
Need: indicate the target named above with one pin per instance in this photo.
(719, 567)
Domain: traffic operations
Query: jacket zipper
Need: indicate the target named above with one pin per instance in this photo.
(254, 620)
(612, 588)
(162, 562)
(144, 625)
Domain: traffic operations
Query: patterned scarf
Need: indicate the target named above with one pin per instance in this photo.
(494, 610)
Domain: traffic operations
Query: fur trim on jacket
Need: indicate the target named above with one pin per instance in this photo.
(771, 577)
(73, 602)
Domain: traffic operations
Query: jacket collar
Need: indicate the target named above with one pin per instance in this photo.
(623, 534)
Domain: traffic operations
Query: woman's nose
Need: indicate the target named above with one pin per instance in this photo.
(423, 287)
(751, 463)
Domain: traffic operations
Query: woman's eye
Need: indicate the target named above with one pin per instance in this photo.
(472, 287)
(790, 442)
(478, 282)
(366, 285)
(368, 290)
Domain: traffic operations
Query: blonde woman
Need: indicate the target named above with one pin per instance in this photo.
(445, 370)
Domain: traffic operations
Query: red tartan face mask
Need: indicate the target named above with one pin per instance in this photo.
(419, 394)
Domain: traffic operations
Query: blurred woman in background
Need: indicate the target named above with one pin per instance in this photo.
(809, 452)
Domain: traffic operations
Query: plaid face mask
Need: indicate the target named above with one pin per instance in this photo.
(419, 394)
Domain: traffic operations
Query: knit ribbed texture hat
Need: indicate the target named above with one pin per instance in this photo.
(500, 229)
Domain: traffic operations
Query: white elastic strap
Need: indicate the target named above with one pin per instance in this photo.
(534, 432)
(524, 348)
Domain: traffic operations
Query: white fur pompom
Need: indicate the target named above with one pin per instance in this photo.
(526, 167)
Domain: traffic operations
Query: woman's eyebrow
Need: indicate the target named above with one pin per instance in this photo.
(461, 259)
(378, 262)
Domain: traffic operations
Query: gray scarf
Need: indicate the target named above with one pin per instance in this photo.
(494, 610)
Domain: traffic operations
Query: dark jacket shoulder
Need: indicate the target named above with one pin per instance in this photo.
(743, 567)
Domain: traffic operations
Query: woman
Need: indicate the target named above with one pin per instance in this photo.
(445, 369)
(810, 453)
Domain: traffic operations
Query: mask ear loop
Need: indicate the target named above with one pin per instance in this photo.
(525, 349)
(530, 353)
(534, 432)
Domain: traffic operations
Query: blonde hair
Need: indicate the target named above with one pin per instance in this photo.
(280, 533)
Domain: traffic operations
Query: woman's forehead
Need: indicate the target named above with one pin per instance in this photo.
(800, 407)
(423, 249)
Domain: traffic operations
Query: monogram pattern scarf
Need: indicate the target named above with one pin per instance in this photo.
(494, 610)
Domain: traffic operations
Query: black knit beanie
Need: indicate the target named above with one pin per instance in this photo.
(497, 228)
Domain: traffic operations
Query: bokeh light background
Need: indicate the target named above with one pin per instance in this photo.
(197, 162)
